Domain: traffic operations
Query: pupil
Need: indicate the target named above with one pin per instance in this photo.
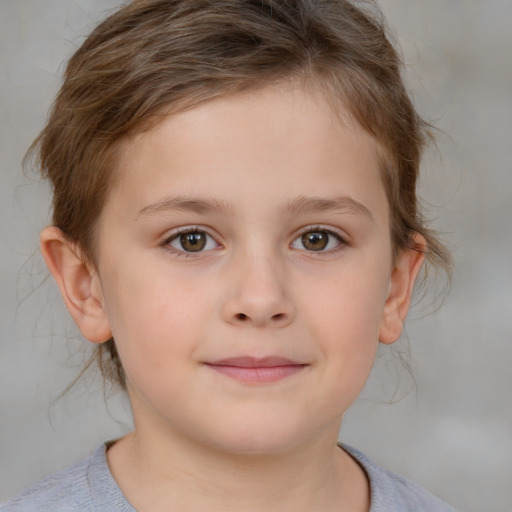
(193, 242)
(315, 241)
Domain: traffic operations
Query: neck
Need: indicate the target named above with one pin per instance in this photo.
(153, 473)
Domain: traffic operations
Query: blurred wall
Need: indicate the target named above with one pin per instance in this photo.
(452, 432)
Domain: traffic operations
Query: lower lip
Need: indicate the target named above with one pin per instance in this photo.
(258, 374)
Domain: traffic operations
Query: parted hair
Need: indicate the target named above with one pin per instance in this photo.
(153, 58)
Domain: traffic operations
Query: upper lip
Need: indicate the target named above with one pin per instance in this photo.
(255, 362)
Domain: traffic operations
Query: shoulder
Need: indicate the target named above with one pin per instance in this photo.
(86, 487)
(66, 490)
(390, 491)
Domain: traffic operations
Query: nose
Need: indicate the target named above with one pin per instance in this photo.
(258, 295)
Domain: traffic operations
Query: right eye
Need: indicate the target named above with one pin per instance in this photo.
(192, 241)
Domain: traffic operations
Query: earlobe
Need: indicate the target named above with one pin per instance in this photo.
(401, 287)
(78, 284)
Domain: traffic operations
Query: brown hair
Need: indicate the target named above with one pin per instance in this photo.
(163, 56)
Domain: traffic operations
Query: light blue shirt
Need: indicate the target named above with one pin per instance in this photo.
(90, 487)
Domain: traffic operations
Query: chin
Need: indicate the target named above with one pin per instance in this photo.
(260, 439)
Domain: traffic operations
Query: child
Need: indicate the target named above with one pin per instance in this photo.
(235, 226)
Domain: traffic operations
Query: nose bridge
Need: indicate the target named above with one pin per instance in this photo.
(258, 294)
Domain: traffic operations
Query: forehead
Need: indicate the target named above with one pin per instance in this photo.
(274, 144)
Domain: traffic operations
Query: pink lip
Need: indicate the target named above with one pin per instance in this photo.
(257, 370)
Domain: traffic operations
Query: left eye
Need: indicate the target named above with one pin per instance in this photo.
(317, 240)
(192, 241)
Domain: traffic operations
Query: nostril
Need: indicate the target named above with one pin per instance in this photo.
(278, 316)
(241, 316)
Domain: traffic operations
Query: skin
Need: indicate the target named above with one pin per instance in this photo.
(245, 173)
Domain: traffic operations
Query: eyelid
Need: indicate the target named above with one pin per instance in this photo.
(322, 227)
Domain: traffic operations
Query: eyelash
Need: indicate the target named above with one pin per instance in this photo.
(342, 242)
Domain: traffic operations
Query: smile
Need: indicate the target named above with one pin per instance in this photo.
(257, 370)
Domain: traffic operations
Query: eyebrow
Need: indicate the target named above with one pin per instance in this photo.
(185, 204)
(299, 205)
(342, 204)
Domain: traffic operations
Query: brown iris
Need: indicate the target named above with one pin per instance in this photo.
(193, 242)
(315, 240)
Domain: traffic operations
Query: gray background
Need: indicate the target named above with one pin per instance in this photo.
(452, 432)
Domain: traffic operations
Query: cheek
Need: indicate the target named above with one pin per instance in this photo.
(343, 315)
(349, 301)
(154, 319)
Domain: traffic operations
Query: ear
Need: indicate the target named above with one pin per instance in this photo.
(78, 282)
(401, 286)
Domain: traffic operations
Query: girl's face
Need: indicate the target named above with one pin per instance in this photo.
(245, 270)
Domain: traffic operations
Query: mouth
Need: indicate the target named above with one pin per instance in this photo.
(257, 370)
